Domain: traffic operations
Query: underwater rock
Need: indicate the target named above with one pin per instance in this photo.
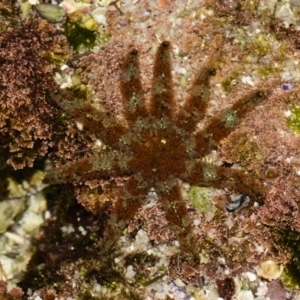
(50, 12)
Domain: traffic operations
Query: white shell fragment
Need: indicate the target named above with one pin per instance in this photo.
(50, 12)
(251, 276)
(130, 273)
(269, 270)
(71, 6)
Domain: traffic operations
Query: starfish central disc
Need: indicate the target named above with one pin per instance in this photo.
(157, 150)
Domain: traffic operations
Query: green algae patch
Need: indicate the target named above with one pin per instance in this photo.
(290, 278)
(184, 13)
(200, 198)
(249, 152)
(79, 92)
(56, 58)
(261, 45)
(293, 121)
(268, 71)
(229, 83)
(243, 150)
(5, 12)
(79, 36)
(9, 15)
(287, 241)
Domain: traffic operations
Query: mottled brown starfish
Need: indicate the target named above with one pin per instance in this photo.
(158, 146)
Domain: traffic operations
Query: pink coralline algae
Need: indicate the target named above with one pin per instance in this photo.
(26, 75)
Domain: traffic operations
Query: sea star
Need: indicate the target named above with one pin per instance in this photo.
(157, 146)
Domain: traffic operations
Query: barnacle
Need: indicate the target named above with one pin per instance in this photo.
(269, 269)
(156, 146)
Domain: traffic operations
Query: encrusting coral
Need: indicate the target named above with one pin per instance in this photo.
(157, 145)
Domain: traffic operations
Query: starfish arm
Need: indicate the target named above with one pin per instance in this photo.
(221, 126)
(220, 177)
(102, 124)
(237, 180)
(173, 203)
(104, 166)
(194, 109)
(131, 88)
(194, 174)
(176, 212)
(162, 98)
(133, 193)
